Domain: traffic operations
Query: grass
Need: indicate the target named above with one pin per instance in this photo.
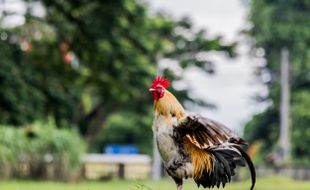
(268, 183)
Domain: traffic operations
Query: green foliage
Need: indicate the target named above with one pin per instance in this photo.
(61, 143)
(15, 89)
(88, 62)
(260, 125)
(10, 148)
(33, 86)
(37, 147)
(278, 24)
(300, 130)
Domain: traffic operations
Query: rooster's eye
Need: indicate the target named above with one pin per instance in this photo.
(158, 89)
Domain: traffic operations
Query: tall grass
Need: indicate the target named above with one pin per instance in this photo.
(40, 150)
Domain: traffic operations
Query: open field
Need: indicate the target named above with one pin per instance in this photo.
(269, 183)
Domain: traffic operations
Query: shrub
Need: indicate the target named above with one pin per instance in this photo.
(40, 150)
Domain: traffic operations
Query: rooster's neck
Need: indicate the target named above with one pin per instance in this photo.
(169, 106)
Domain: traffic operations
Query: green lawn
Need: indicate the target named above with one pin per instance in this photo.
(270, 183)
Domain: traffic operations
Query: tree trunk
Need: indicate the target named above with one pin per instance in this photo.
(95, 121)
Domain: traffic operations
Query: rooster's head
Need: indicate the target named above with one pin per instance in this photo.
(158, 87)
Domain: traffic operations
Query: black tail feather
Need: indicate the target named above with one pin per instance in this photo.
(226, 161)
(250, 165)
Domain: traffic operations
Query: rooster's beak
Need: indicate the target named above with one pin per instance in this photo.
(151, 89)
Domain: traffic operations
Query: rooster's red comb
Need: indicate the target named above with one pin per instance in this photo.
(160, 80)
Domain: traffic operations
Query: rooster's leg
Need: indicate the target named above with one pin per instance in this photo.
(178, 181)
(180, 187)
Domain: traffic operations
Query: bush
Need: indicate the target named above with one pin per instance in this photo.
(40, 151)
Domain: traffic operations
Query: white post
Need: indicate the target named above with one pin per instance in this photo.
(284, 142)
(156, 167)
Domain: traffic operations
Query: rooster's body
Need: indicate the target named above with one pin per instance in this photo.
(192, 146)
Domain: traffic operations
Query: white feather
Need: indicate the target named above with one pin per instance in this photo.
(167, 148)
(165, 144)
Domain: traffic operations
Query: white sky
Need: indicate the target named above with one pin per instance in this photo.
(233, 86)
(218, 17)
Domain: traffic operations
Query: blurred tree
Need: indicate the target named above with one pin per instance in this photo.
(33, 84)
(89, 60)
(278, 24)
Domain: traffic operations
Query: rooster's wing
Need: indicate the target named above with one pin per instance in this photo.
(214, 149)
(205, 133)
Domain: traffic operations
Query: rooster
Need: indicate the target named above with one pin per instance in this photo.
(192, 146)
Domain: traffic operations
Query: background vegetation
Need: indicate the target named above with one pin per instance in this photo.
(40, 150)
(87, 66)
(89, 63)
(277, 24)
(76, 77)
